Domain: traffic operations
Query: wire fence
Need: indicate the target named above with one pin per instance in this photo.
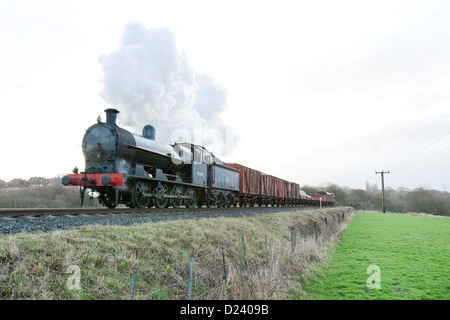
(195, 280)
(247, 267)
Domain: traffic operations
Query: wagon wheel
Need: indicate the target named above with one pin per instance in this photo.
(218, 201)
(160, 191)
(176, 191)
(211, 200)
(231, 200)
(190, 203)
(137, 194)
(258, 202)
(226, 200)
(107, 200)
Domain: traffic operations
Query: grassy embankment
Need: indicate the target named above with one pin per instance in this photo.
(412, 253)
(103, 258)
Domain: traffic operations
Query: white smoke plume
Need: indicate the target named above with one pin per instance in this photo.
(150, 81)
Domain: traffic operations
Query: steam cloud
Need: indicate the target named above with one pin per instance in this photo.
(151, 82)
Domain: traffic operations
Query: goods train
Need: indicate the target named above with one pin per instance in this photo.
(138, 171)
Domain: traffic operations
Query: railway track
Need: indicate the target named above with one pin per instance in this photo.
(45, 212)
(38, 212)
(44, 220)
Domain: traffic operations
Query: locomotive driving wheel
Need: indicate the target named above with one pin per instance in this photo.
(137, 194)
(190, 203)
(161, 190)
(176, 191)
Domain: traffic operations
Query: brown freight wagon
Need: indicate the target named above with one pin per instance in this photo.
(280, 188)
(249, 184)
(290, 196)
(282, 191)
(267, 189)
(295, 193)
(256, 187)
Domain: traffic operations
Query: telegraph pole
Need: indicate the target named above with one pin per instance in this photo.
(382, 188)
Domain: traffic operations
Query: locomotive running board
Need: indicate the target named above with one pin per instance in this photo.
(163, 181)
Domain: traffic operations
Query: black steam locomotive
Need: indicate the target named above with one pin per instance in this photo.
(138, 171)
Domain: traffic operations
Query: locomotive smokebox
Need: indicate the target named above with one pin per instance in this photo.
(149, 132)
(111, 115)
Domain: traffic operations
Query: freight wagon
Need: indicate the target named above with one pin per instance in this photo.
(256, 187)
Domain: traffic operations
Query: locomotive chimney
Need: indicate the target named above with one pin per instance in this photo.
(149, 132)
(111, 115)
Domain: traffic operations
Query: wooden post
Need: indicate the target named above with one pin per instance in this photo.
(243, 253)
(293, 239)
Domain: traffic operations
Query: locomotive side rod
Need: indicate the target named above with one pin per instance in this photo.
(165, 196)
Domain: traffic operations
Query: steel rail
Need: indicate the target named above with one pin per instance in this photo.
(41, 212)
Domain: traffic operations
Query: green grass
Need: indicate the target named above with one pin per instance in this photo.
(412, 252)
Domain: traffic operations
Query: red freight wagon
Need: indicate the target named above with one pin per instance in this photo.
(267, 185)
(249, 179)
(288, 190)
(280, 188)
(327, 197)
(321, 197)
(304, 195)
(295, 190)
(316, 199)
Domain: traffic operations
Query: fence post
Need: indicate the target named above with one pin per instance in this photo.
(243, 253)
(293, 239)
(190, 278)
(267, 257)
(133, 284)
(224, 269)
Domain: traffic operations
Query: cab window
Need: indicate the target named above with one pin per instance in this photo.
(198, 155)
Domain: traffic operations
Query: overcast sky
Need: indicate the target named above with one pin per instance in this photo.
(310, 91)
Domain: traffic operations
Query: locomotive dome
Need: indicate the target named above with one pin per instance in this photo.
(149, 132)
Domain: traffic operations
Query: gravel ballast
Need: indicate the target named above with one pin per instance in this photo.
(53, 223)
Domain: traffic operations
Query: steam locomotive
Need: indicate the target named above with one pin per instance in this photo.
(136, 170)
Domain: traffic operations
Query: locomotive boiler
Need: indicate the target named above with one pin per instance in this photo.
(122, 167)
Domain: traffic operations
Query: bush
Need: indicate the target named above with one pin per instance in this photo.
(419, 200)
(52, 196)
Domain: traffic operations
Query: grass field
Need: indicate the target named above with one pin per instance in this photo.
(411, 252)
